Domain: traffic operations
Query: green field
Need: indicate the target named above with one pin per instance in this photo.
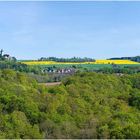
(86, 66)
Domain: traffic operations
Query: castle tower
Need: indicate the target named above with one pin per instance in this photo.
(1, 51)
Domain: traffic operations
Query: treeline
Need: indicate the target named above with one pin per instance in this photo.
(120, 69)
(86, 105)
(136, 58)
(73, 59)
(19, 67)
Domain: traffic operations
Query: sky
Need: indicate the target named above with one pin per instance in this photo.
(30, 30)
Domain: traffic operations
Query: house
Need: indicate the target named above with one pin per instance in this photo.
(6, 56)
(119, 74)
(59, 70)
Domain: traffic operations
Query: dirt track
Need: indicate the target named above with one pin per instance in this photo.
(53, 83)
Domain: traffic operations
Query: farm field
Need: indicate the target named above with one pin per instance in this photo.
(87, 66)
(79, 66)
(98, 64)
(71, 63)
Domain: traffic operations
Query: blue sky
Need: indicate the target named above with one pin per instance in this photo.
(30, 30)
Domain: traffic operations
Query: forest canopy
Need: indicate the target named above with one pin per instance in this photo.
(86, 105)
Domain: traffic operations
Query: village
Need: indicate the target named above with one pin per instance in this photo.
(59, 71)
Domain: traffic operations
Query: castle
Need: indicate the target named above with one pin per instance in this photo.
(6, 56)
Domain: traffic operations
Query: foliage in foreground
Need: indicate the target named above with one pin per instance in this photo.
(86, 105)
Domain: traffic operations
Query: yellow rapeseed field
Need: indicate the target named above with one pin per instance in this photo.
(115, 62)
(96, 62)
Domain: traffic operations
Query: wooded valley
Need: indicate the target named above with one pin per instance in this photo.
(85, 105)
